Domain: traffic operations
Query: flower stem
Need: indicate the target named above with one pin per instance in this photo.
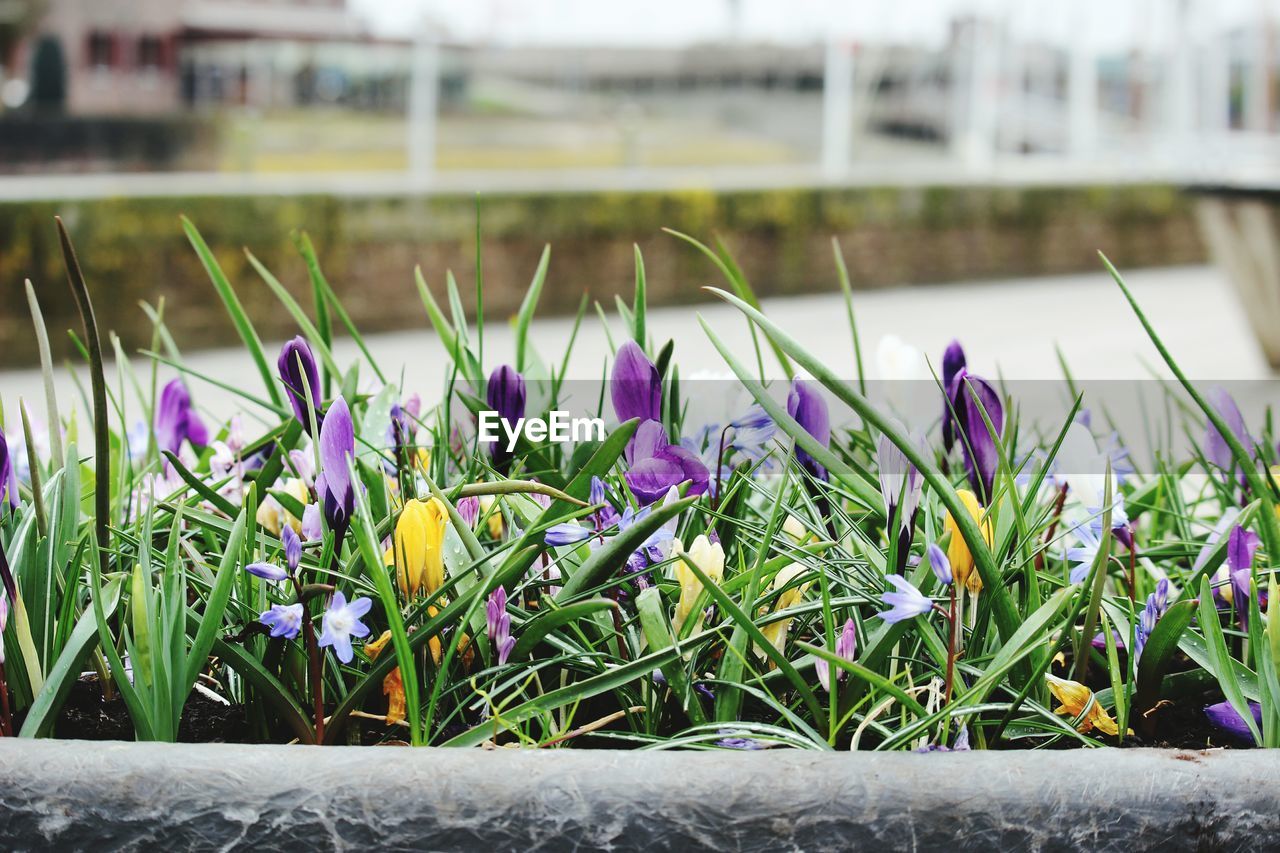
(6, 716)
(953, 643)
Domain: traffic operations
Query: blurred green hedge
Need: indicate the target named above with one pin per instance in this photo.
(134, 250)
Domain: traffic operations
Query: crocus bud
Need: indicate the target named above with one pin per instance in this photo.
(176, 421)
(506, 396)
(1215, 446)
(953, 362)
(707, 556)
(776, 631)
(962, 567)
(940, 564)
(292, 547)
(267, 571)
(312, 528)
(419, 546)
(337, 446)
(499, 624)
(469, 509)
(636, 386)
(298, 372)
(981, 456)
(8, 475)
(846, 647)
(901, 485)
(806, 405)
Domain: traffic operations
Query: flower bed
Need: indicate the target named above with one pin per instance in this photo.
(807, 569)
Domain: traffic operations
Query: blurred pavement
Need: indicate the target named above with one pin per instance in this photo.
(1008, 328)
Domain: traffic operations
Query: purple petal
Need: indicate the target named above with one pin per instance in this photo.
(636, 387)
(337, 442)
(1224, 717)
(649, 440)
(267, 571)
(298, 372)
(650, 479)
(807, 407)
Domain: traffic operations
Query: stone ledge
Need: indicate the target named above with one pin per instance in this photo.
(78, 795)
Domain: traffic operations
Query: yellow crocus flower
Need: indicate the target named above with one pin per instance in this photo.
(419, 546)
(273, 516)
(495, 518)
(958, 551)
(1075, 697)
(776, 632)
(707, 556)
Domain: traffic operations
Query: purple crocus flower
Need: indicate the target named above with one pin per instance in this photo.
(1226, 719)
(341, 622)
(907, 603)
(1215, 446)
(176, 421)
(8, 475)
(506, 396)
(953, 361)
(807, 407)
(980, 455)
(657, 465)
(499, 624)
(1241, 547)
(4, 620)
(284, 620)
(337, 444)
(846, 647)
(636, 386)
(298, 372)
(901, 485)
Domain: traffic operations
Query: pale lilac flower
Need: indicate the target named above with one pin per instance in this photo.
(846, 647)
(1082, 556)
(1157, 603)
(303, 463)
(341, 622)
(284, 620)
(267, 571)
(312, 527)
(907, 603)
(939, 563)
(567, 534)
(235, 434)
(292, 547)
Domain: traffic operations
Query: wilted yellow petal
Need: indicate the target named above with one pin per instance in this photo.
(1075, 698)
(393, 688)
(375, 647)
(958, 551)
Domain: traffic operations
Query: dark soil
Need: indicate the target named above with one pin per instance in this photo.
(86, 716)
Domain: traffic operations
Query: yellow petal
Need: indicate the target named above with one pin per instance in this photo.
(375, 647)
(958, 550)
(707, 556)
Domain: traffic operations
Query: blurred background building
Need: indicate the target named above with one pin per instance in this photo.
(1183, 83)
(940, 140)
